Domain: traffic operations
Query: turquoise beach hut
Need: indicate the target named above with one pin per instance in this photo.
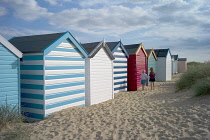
(52, 73)
(119, 65)
(9, 74)
(151, 60)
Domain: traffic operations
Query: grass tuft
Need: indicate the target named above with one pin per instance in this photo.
(196, 75)
(9, 115)
(202, 87)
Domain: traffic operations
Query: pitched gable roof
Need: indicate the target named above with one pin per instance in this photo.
(135, 48)
(94, 47)
(89, 47)
(131, 49)
(162, 52)
(150, 52)
(44, 43)
(113, 46)
(174, 57)
(10, 47)
(34, 43)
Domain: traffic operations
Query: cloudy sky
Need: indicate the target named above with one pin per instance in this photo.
(181, 25)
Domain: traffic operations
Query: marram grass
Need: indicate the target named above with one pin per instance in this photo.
(197, 77)
(9, 117)
(202, 87)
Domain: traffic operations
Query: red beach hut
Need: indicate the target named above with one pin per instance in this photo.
(137, 62)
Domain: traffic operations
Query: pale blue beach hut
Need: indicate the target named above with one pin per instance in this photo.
(119, 65)
(9, 74)
(151, 61)
(52, 73)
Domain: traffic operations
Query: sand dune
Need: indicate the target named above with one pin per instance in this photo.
(139, 115)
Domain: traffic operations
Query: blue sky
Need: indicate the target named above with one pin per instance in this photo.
(181, 25)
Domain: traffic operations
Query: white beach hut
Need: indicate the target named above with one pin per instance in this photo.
(98, 73)
(174, 59)
(163, 65)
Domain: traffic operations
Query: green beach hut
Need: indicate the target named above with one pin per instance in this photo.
(151, 60)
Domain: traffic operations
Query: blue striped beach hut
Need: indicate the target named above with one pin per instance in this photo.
(119, 65)
(9, 74)
(52, 73)
(98, 73)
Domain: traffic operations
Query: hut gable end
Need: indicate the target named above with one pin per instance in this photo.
(9, 74)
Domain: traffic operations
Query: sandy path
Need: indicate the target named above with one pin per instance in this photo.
(140, 115)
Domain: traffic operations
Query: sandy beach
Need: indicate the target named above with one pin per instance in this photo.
(140, 115)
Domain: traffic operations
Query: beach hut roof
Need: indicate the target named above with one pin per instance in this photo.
(114, 45)
(93, 47)
(134, 48)
(182, 59)
(162, 52)
(10, 47)
(174, 57)
(89, 47)
(150, 52)
(45, 42)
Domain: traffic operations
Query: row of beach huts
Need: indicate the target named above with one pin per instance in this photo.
(42, 74)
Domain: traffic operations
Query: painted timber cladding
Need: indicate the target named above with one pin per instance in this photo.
(65, 78)
(141, 64)
(163, 68)
(174, 67)
(52, 73)
(151, 64)
(99, 78)
(182, 65)
(52, 82)
(120, 70)
(174, 59)
(32, 85)
(9, 78)
(168, 67)
(136, 63)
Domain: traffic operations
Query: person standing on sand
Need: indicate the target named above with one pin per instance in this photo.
(143, 79)
(152, 78)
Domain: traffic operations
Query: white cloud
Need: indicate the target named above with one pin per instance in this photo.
(57, 2)
(173, 7)
(8, 31)
(29, 10)
(3, 11)
(111, 20)
(90, 3)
